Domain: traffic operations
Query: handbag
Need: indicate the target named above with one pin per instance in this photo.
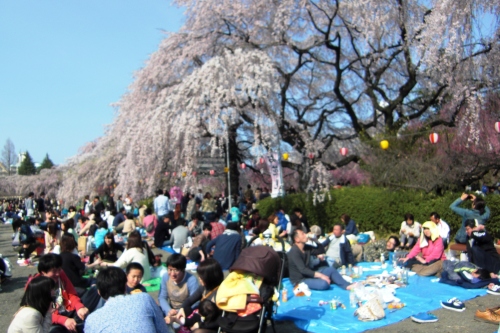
(16, 241)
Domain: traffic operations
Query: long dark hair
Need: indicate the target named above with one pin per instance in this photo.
(134, 240)
(52, 229)
(210, 272)
(38, 294)
(112, 247)
(68, 243)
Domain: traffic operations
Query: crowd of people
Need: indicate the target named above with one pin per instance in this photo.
(202, 229)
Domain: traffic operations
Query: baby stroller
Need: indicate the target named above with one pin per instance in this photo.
(265, 262)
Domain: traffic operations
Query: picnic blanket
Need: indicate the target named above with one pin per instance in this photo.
(421, 295)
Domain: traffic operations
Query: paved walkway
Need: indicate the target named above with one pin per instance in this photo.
(449, 321)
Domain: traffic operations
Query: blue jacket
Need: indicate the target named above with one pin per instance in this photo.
(351, 229)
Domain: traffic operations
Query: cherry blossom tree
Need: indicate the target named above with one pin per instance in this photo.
(300, 76)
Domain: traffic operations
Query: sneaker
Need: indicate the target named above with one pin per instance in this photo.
(25, 263)
(494, 290)
(491, 316)
(424, 317)
(453, 304)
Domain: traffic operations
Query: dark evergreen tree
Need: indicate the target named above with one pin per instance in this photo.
(27, 166)
(46, 163)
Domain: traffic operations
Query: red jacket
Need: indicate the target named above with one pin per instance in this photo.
(71, 299)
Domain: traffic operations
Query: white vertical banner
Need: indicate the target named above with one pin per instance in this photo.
(274, 164)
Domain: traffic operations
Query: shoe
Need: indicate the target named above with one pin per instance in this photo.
(424, 317)
(25, 263)
(453, 304)
(495, 290)
(491, 316)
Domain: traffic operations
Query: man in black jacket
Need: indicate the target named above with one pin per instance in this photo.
(480, 248)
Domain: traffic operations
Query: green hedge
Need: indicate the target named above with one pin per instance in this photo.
(378, 209)
(148, 202)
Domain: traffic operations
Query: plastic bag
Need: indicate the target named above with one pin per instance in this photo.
(370, 311)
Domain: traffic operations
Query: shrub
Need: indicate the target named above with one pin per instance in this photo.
(378, 209)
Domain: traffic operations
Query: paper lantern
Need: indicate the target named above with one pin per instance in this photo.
(311, 156)
(194, 173)
(184, 173)
(285, 156)
(434, 137)
(174, 174)
(243, 165)
(226, 169)
(384, 144)
(344, 151)
(261, 160)
(166, 173)
(497, 126)
(212, 172)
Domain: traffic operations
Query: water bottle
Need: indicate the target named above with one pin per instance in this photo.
(352, 299)
(382, 259)
(395, 259)
(342, 270)
(284, 295)
(349, 270)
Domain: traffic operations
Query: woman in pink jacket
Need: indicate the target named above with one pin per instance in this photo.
(428, 249)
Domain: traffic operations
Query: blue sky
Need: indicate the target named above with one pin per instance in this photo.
(63, 62)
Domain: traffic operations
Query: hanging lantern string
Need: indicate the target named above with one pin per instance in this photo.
(398, 136)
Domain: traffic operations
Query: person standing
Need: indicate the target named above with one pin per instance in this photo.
(98, 208)
(161, 205)
(119, 204)
(40, 205)
(29, 205)
(110, 205)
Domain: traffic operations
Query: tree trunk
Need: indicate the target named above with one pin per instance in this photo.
(233, 161)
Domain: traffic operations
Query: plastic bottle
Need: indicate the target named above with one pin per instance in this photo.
(342, 270)
(349, 270)
(353, 299)
(395, 259)
(382, 259)
(284, 295)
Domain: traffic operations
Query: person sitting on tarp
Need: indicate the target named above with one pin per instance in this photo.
(373, 249)
(299, 263)
(339, 251)
(425, 258)
(480, 248)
